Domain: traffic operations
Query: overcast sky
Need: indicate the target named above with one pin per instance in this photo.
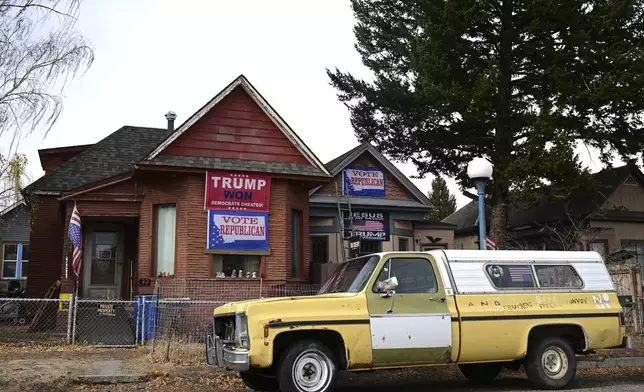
(153, 56)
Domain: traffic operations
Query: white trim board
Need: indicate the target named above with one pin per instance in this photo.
(242, 82)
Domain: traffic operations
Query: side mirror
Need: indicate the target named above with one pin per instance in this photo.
(390, 284)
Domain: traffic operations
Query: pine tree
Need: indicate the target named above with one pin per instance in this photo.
(519, 82)
(444, 202)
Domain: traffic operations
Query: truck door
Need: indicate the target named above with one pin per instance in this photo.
(410, 324)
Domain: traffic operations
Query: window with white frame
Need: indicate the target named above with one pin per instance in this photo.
(165, 216)
(15, 258)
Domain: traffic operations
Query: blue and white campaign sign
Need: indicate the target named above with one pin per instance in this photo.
(363, 181)
(237, 230)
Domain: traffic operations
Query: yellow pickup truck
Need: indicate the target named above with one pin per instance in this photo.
(481, 310)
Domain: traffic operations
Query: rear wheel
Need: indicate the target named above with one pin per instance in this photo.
(258, 382)
(481, 372)
(551, 363)
(307, 366)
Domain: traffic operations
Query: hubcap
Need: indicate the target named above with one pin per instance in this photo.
(554, 362)
(312, 371)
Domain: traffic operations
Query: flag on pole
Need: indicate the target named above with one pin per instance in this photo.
(490, 244)
(75, 238)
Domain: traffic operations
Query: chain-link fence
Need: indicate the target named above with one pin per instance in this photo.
(109, 323)
(24, 320)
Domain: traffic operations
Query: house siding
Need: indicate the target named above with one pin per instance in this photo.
(627, 196)
(14, 226)
(45, 244)
(237, 128)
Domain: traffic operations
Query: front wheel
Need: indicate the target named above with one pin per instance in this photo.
(481, 372)
(551, 364)
(307, 366)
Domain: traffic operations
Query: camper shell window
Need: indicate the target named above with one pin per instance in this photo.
(511, 276)
(558, 277)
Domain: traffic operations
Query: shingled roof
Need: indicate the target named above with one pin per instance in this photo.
(113, 156)
(580, 203)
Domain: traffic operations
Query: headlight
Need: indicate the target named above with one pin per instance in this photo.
(241, 326)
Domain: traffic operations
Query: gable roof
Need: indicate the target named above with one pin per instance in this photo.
(336, 165)
(243, 83)
(580, 203)
(12, 207)
(115, 155)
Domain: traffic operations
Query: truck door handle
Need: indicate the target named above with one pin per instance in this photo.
(437, 299)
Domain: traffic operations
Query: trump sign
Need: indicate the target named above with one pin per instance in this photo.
(236, 191)
(237, 230)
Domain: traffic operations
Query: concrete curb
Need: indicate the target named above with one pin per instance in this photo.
(111, 379)
(603, 362)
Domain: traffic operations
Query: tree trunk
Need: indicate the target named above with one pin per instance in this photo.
(499, 223)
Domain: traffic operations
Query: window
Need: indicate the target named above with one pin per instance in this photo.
(296, 243)
(511, 276)
(558, 276)
(9, 261)
(368, 247)
(636, 248)
(15, 258)
(403, 244)
(599, 246)
(320, 249)
(165, 220)
(414, 276)
(236, 266)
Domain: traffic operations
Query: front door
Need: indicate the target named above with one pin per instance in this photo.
(412, 326)
(103, 263)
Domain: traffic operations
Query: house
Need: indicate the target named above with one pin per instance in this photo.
(388, 210)
(14, 244)
(225, 192)
(607, 219)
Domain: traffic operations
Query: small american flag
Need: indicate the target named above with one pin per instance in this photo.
(368, 225)
(520, 274)
(75, 238)
(490, 244)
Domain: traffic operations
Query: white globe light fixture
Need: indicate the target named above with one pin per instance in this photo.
(480, 170)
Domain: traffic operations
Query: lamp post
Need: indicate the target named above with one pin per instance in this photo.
(480, 170)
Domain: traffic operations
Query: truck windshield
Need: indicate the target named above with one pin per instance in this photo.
(352, 276)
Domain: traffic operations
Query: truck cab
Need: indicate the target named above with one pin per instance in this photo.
(481, 310)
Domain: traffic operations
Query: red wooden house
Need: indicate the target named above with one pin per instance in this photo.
(140, 193)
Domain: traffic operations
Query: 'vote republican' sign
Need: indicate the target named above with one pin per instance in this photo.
(236, 191)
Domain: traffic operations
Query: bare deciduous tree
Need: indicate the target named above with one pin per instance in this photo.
(39, 53)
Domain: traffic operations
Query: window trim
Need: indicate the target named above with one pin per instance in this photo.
(600, 241)
(300, 254)
(153, 234)
(537, 286)
(439, 283)
(18, 261)
(403, 239)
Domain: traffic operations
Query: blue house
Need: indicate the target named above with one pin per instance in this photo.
(14, 244)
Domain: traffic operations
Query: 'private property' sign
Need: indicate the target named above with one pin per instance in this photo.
(363, 181)
(237, 230)
(237, 191)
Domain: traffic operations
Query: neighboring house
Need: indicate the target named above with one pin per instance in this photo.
(14, 243)
(388, 209)
(609, 219)
(228, 190)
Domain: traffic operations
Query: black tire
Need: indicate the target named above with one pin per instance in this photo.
(481, 372)
(258, 382)
(308, 356)
(551, 363)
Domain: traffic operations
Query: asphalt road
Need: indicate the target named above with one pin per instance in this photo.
(449, 379)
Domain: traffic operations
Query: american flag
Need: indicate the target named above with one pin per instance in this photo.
(75, 237)
(490, 244)
(368, 225)
(520, 273)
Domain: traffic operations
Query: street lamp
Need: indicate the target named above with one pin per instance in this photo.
(480, 170)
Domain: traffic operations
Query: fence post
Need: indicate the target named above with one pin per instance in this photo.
(74, 320)
(137, 305)
(70, 306)
(143, 322)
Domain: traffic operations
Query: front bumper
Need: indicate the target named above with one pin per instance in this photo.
(218, 355)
